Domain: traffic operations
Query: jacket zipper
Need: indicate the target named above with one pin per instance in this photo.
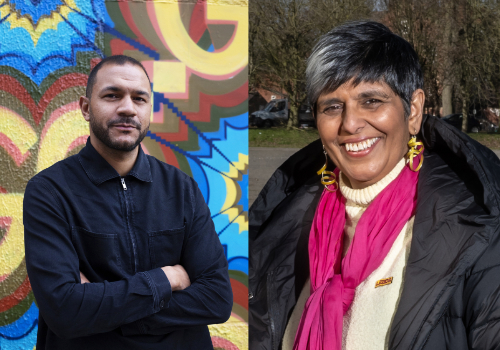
(132, 238)
(271, 300)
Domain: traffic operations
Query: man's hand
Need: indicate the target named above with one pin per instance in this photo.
(83, 279)
(177, 276)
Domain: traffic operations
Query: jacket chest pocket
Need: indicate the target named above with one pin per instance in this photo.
(165, 247)
(97, 252)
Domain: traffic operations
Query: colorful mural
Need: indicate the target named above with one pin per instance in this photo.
(195, 53)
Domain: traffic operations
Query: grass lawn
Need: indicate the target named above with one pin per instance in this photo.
(491, 141)
(280, 137)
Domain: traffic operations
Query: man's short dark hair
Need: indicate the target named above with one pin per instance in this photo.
(119, 60)
(365, 52)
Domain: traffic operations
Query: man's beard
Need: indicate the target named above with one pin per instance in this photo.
(102, 134)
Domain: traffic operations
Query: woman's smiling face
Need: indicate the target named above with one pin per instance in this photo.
(364, 129)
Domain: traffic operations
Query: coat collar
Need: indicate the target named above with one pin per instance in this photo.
(99, 170)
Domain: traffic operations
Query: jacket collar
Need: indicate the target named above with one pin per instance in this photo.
(99, 170)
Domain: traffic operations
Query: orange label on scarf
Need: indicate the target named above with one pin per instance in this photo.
(383, 282)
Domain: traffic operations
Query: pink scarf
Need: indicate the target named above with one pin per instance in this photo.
(333, 279)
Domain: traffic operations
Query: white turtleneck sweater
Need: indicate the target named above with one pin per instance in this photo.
(368, 320)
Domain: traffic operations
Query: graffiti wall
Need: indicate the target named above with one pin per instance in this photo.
(195, 53)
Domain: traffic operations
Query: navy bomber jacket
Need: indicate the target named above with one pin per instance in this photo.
(80, 215)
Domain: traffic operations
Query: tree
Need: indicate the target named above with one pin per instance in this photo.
(477, 53)
(282, 35)
(449, 41)
(458, 45)
(420, 23)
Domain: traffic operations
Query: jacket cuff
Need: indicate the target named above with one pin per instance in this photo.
(162, 292)
(160, 286)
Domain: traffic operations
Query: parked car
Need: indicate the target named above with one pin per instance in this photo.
(305, 116)
(488, 126)
(275, 113)
(473, 125)
(454, 120)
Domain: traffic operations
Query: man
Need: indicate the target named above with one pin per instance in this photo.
(121, 251)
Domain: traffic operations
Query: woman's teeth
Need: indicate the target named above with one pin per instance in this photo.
(360, 146)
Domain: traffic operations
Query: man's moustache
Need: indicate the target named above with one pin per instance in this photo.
(125, 121)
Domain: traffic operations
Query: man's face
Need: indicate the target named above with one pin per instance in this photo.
(364, 130)
(120, 107)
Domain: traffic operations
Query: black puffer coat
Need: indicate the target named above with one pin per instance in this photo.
(451, 293)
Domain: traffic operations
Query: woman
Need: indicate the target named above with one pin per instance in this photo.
(395, 249)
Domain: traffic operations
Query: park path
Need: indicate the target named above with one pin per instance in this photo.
(264, 161)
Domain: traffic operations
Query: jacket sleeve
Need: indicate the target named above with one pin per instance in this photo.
(209, 298)
(483, 309)
(69, 308)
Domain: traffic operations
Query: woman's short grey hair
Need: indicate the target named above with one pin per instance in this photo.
(365, 52)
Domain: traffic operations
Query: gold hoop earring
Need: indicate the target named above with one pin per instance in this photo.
(413, 152)
(327, 177)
